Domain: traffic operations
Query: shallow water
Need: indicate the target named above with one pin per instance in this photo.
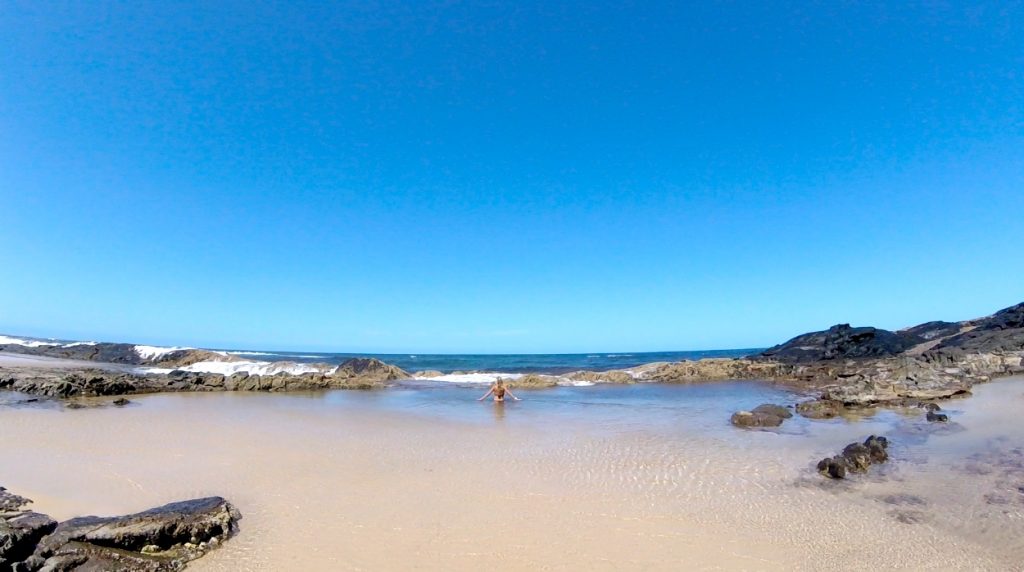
(605, 477)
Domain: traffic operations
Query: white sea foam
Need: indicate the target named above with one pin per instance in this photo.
(153, 352)
(250, 367)
(75, 344)
(574, 382)
(240, 353)
(479, 377)
(26, 343)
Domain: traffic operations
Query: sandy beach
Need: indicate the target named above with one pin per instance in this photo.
(605, 478)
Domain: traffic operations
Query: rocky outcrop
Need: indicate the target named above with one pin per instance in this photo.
(855, 458)
(998, 333)
(101, 352)
(712, 369)
(531, 381)
(356, 373)
(840, 342)
(160, 539)
(613, 376)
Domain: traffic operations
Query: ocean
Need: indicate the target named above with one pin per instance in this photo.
(553, 364)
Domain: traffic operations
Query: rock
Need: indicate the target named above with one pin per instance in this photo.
(20, 534)
(613, 376)
(833, 467)
(772, 409)
(936, 417)
(931, 407)
(121, 402)
(1000, 332)
(856, 457)
(841, 342)
(755, 419)
(820, 409)
(159, 539)
(532, 380)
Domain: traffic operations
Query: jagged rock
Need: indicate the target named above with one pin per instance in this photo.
(121, 402)
(20, 534)
(10, 502)
(840, 342)
(159, 539)
(1000, 332)
(856, 457)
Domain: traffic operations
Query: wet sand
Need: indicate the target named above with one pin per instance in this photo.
(604, 478)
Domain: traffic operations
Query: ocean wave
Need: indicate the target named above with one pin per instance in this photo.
(27, 343)
(153, 352)
(479, 377)
(575, 382)
(239, 353)
(249, 367)
(75, 344)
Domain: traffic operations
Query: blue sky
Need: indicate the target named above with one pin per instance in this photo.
(506, 177)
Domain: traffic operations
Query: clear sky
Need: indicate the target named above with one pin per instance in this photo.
(506, 177)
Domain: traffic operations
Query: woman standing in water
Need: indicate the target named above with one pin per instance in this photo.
(499, 391)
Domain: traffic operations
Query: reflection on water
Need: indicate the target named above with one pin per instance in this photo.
(623, 477)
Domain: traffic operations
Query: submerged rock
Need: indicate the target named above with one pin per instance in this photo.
(772, 409)
(820, 409)
(856, 458)
(934, 417)
(160, 539)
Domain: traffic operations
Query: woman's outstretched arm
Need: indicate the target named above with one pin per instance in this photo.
(489, 391)
(512, 395)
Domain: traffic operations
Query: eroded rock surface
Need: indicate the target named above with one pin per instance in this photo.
(165, 538)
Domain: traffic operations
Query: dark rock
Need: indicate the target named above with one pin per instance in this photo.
(20, 534)
(932, 330)
(842, 341)
(936, 417)
(10, 502)
(856, 457)
(833, 467)
(753, 419)
(121, 402)
(1000, 332)
(931, 406)
(772, 409)
(160, 539)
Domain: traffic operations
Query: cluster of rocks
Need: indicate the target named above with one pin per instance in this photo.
(165, 538)
(855, 458)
